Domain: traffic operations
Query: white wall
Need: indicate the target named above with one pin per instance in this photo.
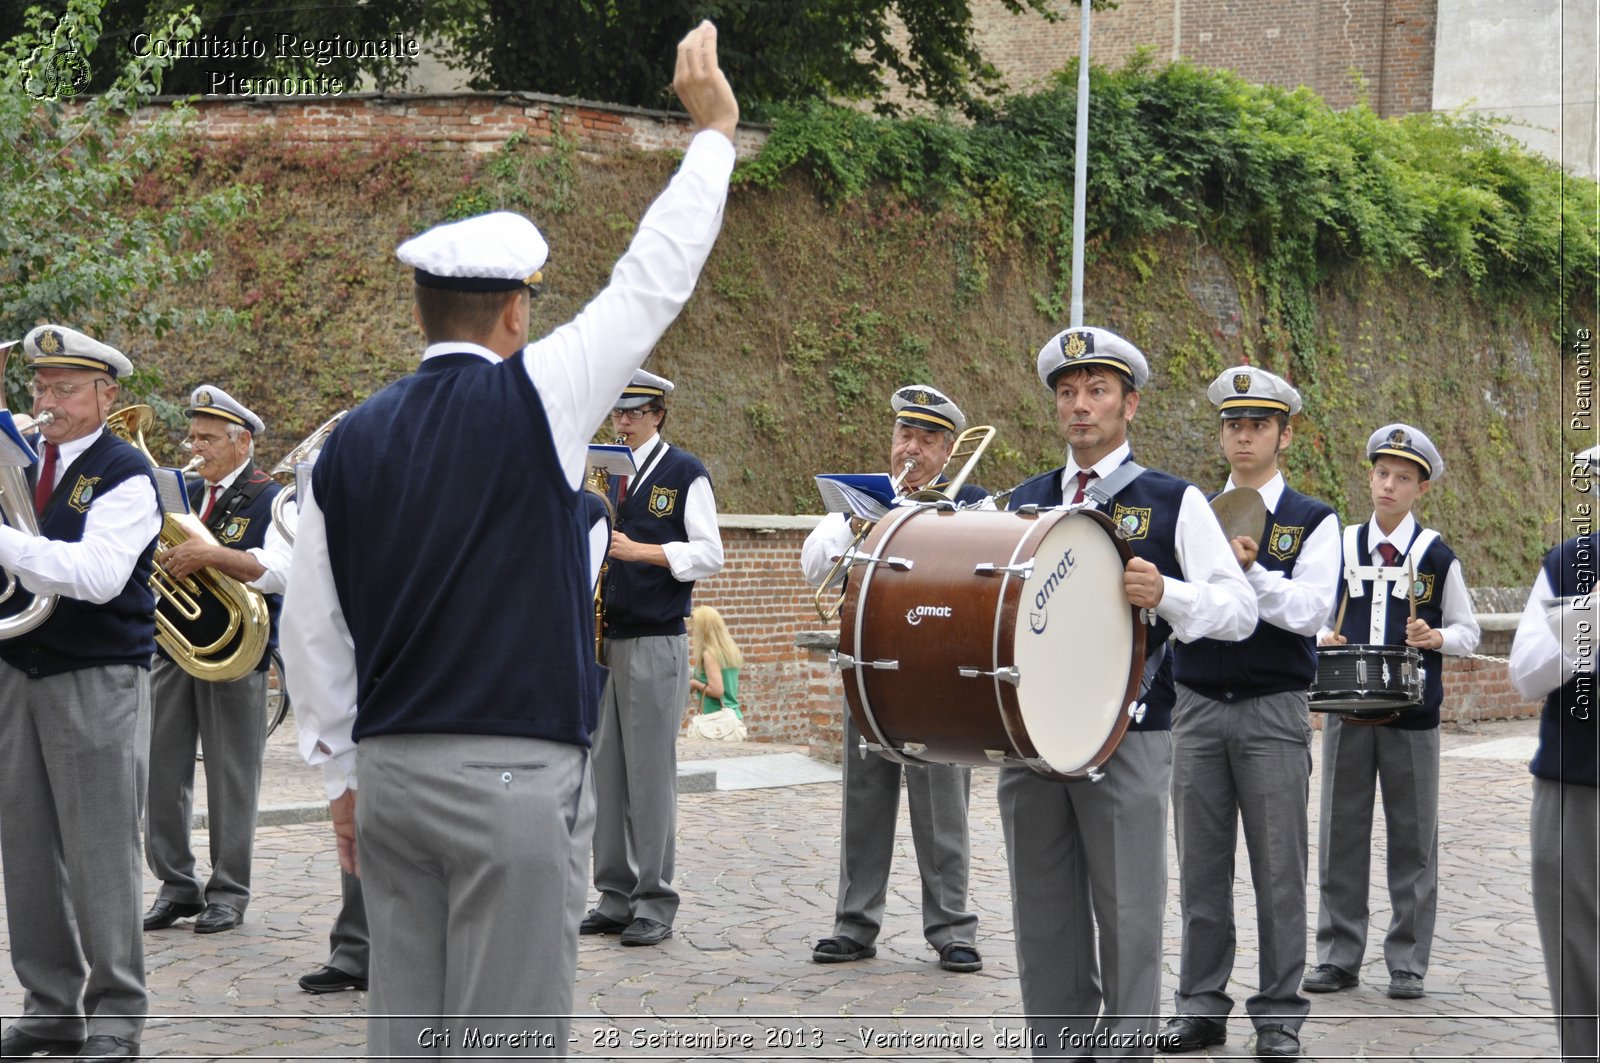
(1530, 61)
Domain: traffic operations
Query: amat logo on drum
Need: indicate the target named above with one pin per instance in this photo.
(1039, 616)
(914, 615)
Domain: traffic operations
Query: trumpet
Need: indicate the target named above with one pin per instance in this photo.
(211, 625)
(969, 447)
(16, 505)
(304, 451)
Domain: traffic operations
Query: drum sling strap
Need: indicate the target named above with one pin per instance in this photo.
(1385, 579)
(1100, 492)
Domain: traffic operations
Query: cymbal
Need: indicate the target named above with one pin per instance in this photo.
(1240, 512)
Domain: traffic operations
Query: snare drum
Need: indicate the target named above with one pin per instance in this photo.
(992, 638)
(1367, 681)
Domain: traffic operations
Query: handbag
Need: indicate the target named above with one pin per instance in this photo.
(722, 725)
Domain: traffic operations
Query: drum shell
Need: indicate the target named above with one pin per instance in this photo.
(1367, 680)
(941, 617)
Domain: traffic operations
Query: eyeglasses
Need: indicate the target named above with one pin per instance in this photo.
(61, 391)
(639, 411)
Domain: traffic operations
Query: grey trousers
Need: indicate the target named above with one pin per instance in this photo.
(1405, 765)
(229, 722)
(473, 852)
(636, 777)
(1564, 825)
(1087, 855)
(72, 784)
(937, 795)
(1246, 760)
(348, 943)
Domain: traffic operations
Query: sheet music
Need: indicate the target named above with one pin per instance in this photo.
(171, 491)
(866, 495)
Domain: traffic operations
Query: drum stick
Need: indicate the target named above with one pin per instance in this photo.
(1344, 600)
(1411, 587)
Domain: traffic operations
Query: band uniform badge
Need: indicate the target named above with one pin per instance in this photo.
(233, 531)
(663, 501)
(1422, 588)
(1077, 344)
(49, 342)
(82, 493)
(1284, 543)
(1133, 522)
(202, 397)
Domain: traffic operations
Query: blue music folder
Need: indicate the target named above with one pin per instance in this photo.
(14, 449)
(862, 494)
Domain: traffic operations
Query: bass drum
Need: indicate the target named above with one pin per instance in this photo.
(985, 637)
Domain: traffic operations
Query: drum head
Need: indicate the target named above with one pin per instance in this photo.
(1075, 644)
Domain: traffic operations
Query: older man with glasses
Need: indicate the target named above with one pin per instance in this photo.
(76, 727)
(665, 538)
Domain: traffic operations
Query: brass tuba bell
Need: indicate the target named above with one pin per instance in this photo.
(16, 505)
(304, 451)
(211, 625)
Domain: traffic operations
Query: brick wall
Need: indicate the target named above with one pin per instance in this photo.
(466, 121)
(793, 695)
(1276, 42)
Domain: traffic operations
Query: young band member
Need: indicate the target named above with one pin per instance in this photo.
(665, 539)
(926, 424)
(1391, 563)
(1087, 854)
(74, 733)
(233, 498)
(1241, 737)
(441, 612)
(1552, 658)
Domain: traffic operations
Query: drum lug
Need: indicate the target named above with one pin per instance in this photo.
(843, 661)
(1096, 775)
(1031, 509)
(989, 568)
(913, 749)
(1009, 675)
(1361, 673)
(899, 564)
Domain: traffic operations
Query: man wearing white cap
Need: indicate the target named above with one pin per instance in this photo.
(233, 499)
(1553, 660)
(926, 424)
(441, 612)
(665, 539)
(1241, 737)
(1087, 854)
(1391, 565)
(75, 730)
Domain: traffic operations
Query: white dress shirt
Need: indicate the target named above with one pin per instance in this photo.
(578, 370)
(700, 557)
(1299, 600)
(1459, 623)
(1213, 600)
(274, 554)
(119, 525)
(1540, 662)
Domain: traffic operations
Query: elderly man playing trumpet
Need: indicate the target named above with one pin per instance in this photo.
(76, 691)
(228, 718)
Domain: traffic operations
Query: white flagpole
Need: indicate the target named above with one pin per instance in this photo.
(1080, 174)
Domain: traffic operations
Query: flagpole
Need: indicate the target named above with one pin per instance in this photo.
(1080, 173)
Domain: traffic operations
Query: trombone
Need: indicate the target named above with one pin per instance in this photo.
(305, 451)
(969, 447)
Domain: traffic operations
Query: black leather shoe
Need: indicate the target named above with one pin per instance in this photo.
(1277, 1042)
(1403, 985)
(1327, 978)
(217, 918)
(15, 1044)
(595, 923)
(646, 932)
(1191, 1033)
(960, 958)
(841, 950)
(331, 980)
(164, 913)
(104, 1046)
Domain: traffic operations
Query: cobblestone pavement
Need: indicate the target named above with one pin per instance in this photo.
(757, 870)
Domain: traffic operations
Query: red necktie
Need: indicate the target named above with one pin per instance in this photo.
(622, 490)
(1390, 555)
(1083, 482)
(47, 478)
(211, 500)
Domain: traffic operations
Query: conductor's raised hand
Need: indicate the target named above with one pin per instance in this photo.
(701, 85)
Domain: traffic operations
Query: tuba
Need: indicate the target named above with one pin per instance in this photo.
(306, 452)
(211, 625)
(16, 505)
